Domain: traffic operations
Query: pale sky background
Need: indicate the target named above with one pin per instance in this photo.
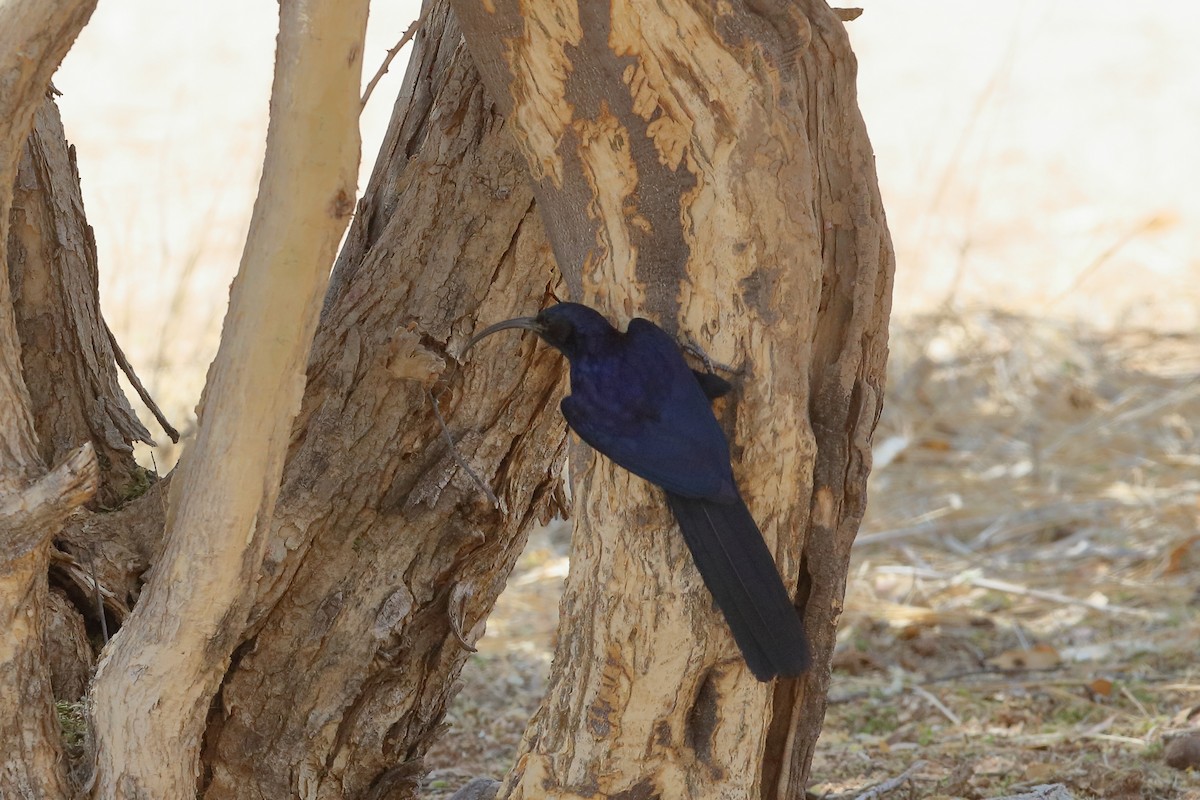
(1039, 156)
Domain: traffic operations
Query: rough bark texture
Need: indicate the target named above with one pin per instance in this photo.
(180, 637)
(384, 552)
(34, 37)
(846, 372)
(68, 359)
(705, 166)
(69, 654)
(30, 750)
(113, 549)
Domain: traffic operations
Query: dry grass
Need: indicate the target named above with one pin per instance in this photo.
(1027, 613)
(1035, 502)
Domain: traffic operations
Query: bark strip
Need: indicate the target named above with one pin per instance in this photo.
(67, 355)
(34, 37)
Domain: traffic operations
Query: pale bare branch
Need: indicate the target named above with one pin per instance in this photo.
(180, 636)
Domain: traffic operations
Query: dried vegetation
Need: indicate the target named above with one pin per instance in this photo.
(1023, 609)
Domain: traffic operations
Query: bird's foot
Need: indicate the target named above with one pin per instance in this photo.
(692, 346)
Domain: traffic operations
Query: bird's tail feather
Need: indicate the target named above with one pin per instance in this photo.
(740, 572)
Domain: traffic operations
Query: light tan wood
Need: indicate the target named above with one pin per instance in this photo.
(154, 684)
(703, 165)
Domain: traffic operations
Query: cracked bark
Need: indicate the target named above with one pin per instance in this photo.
(68, 360)
(34, 37)
(382, 546)
(704, 166)
(712, 174)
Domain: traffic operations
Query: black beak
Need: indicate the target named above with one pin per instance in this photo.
(524, 323)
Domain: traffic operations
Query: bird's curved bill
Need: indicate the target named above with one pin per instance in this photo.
(524, 323)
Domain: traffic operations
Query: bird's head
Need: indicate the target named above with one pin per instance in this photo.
(571, 328)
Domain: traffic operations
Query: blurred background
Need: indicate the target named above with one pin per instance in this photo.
(1033, 156)
(1036, 469)
(166, 104)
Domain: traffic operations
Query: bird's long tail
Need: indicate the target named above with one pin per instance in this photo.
(740, 572)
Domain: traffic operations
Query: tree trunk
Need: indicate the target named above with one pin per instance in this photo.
(385, 557)
(69, 365)
(704, 166)
(377, 525)
(68, 358)
(34, 37)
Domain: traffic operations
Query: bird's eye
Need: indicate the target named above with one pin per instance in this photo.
(557, 331)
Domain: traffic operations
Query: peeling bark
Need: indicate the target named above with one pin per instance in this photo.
(69, 655)
(34, 37)
(30, 751)
(846, 375)
(705, 166)
(67, 359)
(113, 549)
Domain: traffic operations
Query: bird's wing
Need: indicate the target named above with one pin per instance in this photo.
(653, 419)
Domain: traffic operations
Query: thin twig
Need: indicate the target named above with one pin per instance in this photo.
(391, 54)
(1018, 589)
(1133, 699)
(99, 595)
(162, 499)
(880, 789)
(127, 368)
(1042, 516)
(458, 459)
(931, 698)
(1045, 791)
(1022, 640)
(1147, 224)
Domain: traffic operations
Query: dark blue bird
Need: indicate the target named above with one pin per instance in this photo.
(634, 398)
